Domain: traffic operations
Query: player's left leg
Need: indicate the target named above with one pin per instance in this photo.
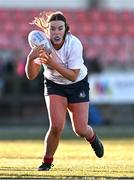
(79, 118)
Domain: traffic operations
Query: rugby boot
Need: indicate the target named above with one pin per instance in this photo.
(45, 167)
(97, 147)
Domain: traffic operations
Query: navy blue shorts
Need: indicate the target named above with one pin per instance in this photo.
(75, 93)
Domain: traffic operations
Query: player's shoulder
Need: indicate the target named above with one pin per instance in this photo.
(73, 40)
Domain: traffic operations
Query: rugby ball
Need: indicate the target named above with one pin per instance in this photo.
(37, 38)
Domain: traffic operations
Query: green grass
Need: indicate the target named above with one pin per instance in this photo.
(74, 159)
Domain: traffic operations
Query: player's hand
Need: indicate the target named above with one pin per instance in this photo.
(46, 59)
(34, 53)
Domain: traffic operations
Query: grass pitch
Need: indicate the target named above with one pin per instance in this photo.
(74, 159)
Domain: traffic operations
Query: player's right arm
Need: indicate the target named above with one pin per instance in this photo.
(32, 69)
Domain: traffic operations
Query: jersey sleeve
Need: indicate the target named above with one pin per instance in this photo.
(75, 59)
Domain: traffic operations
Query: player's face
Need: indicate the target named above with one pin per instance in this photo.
(56, 31)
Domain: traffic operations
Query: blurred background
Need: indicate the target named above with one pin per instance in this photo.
(106, 29)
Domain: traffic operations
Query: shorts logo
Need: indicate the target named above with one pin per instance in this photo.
(82, 94)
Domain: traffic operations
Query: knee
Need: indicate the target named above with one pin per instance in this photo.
(56, 130)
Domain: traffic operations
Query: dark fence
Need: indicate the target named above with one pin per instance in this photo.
(22, 101)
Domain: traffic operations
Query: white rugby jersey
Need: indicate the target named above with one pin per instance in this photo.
(71, 57)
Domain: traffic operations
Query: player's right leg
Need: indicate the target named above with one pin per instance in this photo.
(56, 106)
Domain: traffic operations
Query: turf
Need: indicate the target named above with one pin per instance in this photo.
(74, 159)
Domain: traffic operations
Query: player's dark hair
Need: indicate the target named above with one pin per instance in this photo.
(44, 18)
